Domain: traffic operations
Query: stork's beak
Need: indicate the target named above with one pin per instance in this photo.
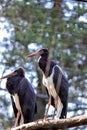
(37, 53)
(9, 75)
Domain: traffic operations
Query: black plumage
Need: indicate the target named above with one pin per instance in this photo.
(22, 96)
(54, 80)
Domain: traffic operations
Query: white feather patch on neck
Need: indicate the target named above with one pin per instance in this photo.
(39, 58)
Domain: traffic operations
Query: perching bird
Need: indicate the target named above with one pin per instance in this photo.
(22, 96)
(55, 82)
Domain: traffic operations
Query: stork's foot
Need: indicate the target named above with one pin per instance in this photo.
(42, 120)
(47, 119)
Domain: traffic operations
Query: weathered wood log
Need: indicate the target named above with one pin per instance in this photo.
(54, 124)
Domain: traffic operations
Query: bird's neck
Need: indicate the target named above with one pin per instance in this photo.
(44, 64)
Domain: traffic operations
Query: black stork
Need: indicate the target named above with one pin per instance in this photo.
(55, 82)
(22, 96)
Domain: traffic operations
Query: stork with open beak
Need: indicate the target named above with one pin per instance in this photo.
(55, 82)
(22, 96)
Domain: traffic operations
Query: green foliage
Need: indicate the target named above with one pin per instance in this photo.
(59, 29)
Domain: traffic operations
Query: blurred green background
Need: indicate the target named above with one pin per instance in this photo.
(60, 26)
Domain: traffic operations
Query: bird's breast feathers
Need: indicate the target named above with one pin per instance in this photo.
(48, 82)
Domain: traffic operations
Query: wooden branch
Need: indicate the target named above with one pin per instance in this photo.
(54, 124)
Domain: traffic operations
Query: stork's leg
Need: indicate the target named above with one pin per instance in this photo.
(17, 118)
(58, 106)
(49, 103)
(56, 102)
(22, 119)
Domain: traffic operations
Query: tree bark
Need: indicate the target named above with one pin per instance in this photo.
(54, 124)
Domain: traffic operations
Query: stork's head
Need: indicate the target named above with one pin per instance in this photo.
(42, 52)
(19, 71)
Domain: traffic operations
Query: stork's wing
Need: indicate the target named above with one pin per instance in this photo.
(27, 100)
(61, 88)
